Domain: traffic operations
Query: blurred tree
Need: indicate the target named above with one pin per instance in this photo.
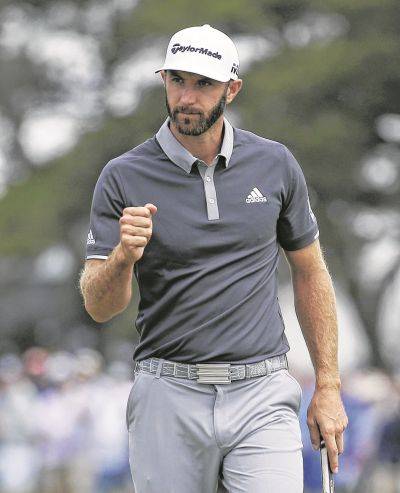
(335, 71)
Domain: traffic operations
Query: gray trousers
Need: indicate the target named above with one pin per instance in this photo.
(186, 437)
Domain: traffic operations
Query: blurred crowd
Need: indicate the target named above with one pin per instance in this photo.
(62, 423)
(63, 426)
(371, 460)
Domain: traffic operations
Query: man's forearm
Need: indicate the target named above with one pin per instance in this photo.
(107, 288)
(316, 311)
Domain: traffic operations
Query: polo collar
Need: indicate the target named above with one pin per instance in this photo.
(180, 156)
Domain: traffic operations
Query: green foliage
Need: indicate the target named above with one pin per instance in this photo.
(164, 18)
(321, 100)
(359, 6)
(41, 211)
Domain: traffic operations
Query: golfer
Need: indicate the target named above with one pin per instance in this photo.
(198, 214)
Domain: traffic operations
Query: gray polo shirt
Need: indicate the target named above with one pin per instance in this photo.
(208, 276)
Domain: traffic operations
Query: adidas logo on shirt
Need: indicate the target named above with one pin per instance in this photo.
(255, 196)
(90, 238)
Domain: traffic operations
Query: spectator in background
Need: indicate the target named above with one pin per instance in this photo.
(19, 463)
(49, 440)
(53, 439)
(389, 445)
(365, 395)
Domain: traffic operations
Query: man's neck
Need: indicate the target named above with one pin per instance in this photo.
(205, 146)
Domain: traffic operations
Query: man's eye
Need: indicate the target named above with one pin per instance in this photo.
(176, 79)
(204, 83)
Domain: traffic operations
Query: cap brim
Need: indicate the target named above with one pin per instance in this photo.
(196, 70)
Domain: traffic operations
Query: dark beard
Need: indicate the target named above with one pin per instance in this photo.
(203, 123)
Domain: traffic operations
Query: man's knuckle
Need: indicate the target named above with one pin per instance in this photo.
(329, 425)
(139, 221)
(138, 240)
(143, 211)
(139, 231)
(329, 430)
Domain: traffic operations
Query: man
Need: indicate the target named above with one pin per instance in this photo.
(198, 213)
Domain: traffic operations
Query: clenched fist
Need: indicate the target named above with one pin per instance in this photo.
(136, 227)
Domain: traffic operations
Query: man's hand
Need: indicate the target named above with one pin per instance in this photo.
(327, 419)
(136, 228)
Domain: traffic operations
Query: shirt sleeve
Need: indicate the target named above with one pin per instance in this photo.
(297, 226)
(107, 206)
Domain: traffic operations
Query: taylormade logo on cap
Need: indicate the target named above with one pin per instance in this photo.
(205, 51)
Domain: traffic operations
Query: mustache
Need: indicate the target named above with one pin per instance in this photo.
(186, 111)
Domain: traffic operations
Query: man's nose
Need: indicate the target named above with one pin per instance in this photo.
(188, 96)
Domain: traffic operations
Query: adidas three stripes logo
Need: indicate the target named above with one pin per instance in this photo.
(255, 196)
(90, 238)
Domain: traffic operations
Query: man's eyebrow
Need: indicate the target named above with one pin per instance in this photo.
(174, 73)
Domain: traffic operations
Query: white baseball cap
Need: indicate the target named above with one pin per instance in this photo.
(203, 50)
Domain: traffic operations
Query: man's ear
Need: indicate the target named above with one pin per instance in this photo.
(163, 74)
(233, 89)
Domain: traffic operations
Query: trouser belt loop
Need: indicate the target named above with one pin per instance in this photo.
(159, 367)
(286, 361)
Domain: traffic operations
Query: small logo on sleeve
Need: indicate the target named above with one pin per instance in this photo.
(255, 196)
(90, 238)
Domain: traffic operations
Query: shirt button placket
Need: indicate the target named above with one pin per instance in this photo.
(211, 196)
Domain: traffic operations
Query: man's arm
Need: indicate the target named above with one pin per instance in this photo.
(316, 311)
(106, 285)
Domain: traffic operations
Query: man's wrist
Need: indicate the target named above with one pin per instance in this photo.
(327, 382)
(120, 257)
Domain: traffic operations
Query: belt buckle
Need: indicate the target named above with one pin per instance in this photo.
(213, 373)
